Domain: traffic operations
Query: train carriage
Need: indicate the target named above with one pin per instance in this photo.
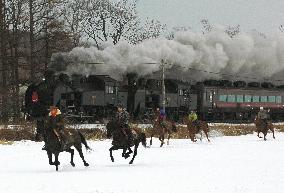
(219, 102)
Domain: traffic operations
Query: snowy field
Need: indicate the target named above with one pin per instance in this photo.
(243, 164)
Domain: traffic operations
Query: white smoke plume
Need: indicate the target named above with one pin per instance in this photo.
(189, 56)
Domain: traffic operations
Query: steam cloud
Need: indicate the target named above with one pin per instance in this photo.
(189, 56)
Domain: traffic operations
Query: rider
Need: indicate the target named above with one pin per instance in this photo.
(161, 117)
(263, 115)
(193, 117)
(122, 118)
(55, 122)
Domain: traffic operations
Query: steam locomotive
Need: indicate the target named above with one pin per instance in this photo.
(95, 97)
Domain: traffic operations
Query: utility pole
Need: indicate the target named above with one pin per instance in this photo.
(163, 86)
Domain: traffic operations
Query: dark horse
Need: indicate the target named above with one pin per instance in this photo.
(194, 129)
(161, 131)
(262, 127)
(120, 141)
(54, 146)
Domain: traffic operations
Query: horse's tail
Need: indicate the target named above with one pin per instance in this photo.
(143, 139)
(83, 140)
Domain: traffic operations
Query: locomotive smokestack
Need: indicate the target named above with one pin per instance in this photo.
(132, 89)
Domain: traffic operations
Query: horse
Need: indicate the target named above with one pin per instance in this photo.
(120, 140)
(160, 131)
(54, 145)
(194, 129)
(263, 128)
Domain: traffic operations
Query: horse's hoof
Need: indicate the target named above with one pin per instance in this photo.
(131, 162)
(112, 160)
(72, 164)
(86, 164)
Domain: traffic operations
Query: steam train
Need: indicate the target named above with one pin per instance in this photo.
(95, 97)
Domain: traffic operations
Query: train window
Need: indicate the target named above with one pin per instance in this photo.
(278, 99)
(271, 99)
(231, 98)
(240, 98)
(223, 98)
(109, 89)
(255, 99)
(247, 98)
(263, 99)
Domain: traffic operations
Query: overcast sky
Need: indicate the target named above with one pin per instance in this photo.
(263, 15)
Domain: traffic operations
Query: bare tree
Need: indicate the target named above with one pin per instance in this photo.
(112, 21)
(232, 31)
(206, 25)
(74, 13)
(150, 29)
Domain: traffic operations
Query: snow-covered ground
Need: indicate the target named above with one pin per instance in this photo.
(243, 164)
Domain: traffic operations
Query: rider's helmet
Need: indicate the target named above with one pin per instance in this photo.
(54, 111)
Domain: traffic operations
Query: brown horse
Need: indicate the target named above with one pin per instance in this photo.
(194, 129)
(263, 128)
(160, 131)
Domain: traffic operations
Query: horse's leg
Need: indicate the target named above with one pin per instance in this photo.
(128, 153)
(56, 162)
(264, 134)
(206, 134)
(169, 136)
(151, 140)
(258, 134)
(200, 135)
(49, 154)
(135, 153)
(161, 138)
(123, 152)
(110, 152)
(79, 149)
(192, 137)
(71, 151)
(272, 130)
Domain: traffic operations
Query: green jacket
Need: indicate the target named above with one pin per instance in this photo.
(192, 116)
